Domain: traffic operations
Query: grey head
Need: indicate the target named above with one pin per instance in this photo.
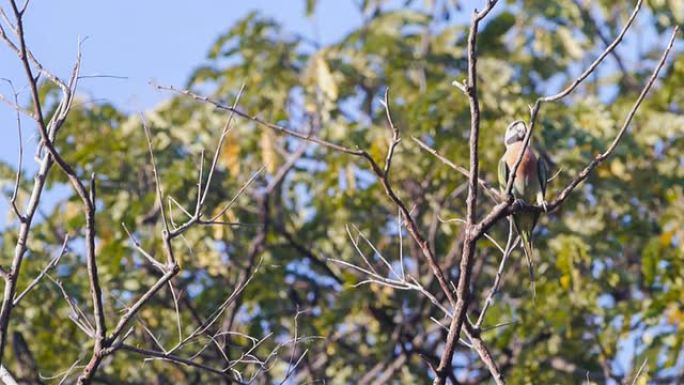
(515, 132)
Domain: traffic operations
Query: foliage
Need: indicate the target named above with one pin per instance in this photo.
(610, 262)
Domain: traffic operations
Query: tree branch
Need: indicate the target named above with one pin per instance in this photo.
(39, 180)
(468, 252)
(565, 92)
(44, 272)
(510, 207)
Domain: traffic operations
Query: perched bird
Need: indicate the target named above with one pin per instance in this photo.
(529, 184)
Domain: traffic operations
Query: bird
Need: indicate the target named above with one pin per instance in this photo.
(529, 184)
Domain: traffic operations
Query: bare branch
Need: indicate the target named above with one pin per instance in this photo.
(68, 371)
(638, 373)
(261, 122)
(6, 376)
(178, 316)
(215, 315)
(478, 345)
(142, 251)
(565, 92)
(157, 184)
(95, 289)
(42, 274)
(491, 191)
(468, 252)
(77, 316)
(509, 207)
(401, 283)
(133, 309)
(224, 132)
(47, 130)
(237, 195)
(628, 119)
(585, 10)
(411, 225)
(20, 162)
(178, 360)
(39, 180)
(510, 246)
(395, 135)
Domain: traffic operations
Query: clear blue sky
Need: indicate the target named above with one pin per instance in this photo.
(143, 41)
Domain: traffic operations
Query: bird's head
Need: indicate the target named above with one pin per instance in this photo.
(515, 132)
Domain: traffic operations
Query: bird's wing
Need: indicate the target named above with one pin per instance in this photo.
(543, 174)
(503, 174)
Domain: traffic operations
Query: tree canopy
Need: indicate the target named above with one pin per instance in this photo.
(304, 264)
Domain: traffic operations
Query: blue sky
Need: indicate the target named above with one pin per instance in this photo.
(143, 41)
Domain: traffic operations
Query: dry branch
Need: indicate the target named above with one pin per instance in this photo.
(468, 252)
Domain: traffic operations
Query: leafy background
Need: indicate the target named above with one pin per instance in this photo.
(610, 263)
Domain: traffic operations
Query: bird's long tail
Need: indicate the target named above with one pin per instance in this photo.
(526, 237)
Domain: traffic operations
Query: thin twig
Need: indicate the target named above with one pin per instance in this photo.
(273, 126)
(155, 173)
(177, 360)
(17, 179)
(53, 262)
(510, 246)
(237, 195)
(224, 132)
(6, 376)
(491, 191)
(77, 315)
(507, 208)
(142, 251)
(638, 373)
(534, 111)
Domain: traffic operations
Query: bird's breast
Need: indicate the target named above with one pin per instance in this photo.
(526, 175)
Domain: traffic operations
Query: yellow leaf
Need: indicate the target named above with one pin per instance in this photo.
(219, 230)
(619, 170)
(676, 317)
(378, 147)
(72, 210)
(324, 78)
(351, 177)
(268, 152)
(565, 281)
(230, 154)
(666, 238)
(571, 45)
(677, 9)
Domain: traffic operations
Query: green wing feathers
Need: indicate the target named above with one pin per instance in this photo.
(543, 175)
(503, 174)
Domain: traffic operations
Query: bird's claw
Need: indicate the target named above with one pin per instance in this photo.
(544, 206)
